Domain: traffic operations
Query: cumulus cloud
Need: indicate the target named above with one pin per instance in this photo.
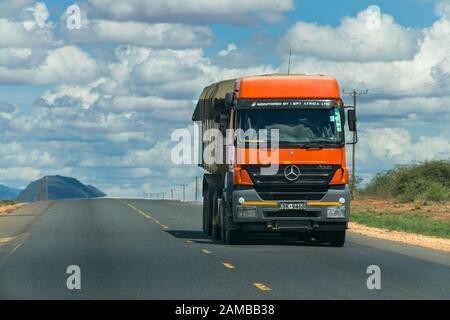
(16, 34)
(62, 65)
(14, 8)
(443, 9)
(158, 35)
(7, 107)
(133, 73)
(426, 73)
(233, 57)
(395, 145)
(355, 39)
(231, 11)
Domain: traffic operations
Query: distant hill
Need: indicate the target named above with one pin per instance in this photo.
(58, 188)
(7, 193)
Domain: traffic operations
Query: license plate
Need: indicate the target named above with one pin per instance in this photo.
(292, 206)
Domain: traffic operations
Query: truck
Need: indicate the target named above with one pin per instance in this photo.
(307, 195)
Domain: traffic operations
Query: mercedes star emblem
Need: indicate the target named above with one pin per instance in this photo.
(292, 173)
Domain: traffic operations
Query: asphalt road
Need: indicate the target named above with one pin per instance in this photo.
(141, 249)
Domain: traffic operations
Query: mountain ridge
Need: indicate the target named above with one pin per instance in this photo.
(58, 187)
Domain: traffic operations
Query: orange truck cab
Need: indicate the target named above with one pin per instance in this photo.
(306, 194)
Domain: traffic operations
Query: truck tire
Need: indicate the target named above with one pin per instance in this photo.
(207, 216)
(231, 236)
(215, 227)
(337, 238)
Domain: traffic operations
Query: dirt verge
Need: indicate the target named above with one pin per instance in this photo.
(10, 208)
(403, 237)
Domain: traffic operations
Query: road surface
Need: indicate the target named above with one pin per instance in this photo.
(142, 249)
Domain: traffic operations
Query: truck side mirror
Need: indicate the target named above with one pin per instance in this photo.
(229, 97)
(351, 118)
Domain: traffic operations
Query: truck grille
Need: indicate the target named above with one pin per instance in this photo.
(312, 184)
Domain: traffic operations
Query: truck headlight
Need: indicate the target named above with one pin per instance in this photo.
(336, 212)
(246, 212)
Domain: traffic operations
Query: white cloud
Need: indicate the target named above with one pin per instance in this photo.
(19, 175)
(15, 34)
(62, 65)
(443, 8)
(354, 40)
(232, 11)
(13, 57)
(159, 35)
(395, 146)
(40, 16)
(14, 8)
(426, 74)
(7, 107)
(110, 112)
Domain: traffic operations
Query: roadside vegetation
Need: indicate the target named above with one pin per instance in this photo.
(427, 181)
(413, 198)
(7, 203)
(406, 222)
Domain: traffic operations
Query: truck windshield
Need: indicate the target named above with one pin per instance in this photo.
(316, 127)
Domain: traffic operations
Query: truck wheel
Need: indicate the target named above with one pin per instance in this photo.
(231, 236)
(337, 238)
(207, 221)
(215, 213)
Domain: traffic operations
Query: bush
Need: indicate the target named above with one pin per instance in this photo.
(436, 192)
(7, 202)
(428, 180)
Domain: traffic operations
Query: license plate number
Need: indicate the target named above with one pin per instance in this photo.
(292, 206)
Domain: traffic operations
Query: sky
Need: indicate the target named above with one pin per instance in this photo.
(99, 103)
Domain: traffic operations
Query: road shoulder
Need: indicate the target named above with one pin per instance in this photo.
(15, 222)
(402, 237)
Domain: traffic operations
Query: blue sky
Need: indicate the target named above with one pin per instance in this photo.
(92, 103)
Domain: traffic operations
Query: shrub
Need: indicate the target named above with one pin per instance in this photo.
(428, 180)
(436, 192)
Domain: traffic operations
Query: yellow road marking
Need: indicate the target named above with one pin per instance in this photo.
(189, 241)
(146, 215)
(228, 265)
(6, 240)
(206, 251)
(22, 238)
(262, 287)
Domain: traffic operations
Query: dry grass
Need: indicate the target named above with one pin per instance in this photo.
(417, 223)
(438, 210)
(8, 208)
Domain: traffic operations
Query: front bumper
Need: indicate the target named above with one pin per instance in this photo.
(267, 216)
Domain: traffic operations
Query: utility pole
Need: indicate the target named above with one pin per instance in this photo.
(171, 194)
(184, 192)
(196, 188)
(354, 94)
(46, 188)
